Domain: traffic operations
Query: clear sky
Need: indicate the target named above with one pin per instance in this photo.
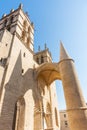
(56, 20)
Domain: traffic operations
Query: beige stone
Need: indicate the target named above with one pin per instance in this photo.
(28, 97)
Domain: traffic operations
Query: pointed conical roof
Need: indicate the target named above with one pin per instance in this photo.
(63, 52)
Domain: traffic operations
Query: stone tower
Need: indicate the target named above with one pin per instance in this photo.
(27, 89)
(27, 101)
(76, 106)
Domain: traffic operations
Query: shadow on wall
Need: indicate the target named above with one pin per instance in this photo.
(17, 86)
(22, 87)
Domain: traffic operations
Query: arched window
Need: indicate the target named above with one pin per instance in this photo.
(37, 60)
(42, 59)
(56, 117)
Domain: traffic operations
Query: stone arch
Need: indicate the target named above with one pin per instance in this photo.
(65, 71)
(49, 72)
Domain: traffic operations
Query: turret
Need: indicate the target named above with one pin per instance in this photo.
(76, 106)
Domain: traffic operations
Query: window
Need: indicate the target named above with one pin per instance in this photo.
(24, 54)
(66, 124)
(64, 115)
(22, 71)
(42, 59)
(3, 61)
(29, 29)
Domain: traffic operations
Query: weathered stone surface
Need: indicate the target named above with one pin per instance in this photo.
(26, 101)
(28, 98)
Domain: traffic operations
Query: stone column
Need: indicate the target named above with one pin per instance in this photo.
(76, 106)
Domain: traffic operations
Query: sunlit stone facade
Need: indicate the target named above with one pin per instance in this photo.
(28, 98)
(26, 102)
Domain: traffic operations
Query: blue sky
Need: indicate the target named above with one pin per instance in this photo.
(56, 20)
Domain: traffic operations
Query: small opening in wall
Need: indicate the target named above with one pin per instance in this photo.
(6, 44)
(8, 28)
(22, 71)
(29, 29)
(24, 54)
(66, 124)
(64, 115)
(42, 59)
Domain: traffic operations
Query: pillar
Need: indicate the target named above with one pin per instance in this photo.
(76, 106)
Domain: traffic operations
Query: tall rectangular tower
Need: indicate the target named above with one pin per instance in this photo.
(26, 102)
(18, 22)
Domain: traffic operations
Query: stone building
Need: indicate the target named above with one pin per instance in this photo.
(25, 102)
(27, 89)
(64, 123)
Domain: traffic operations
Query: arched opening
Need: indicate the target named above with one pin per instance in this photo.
(60, 95)
(49, 73)
(20, 114)
(42, 59)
